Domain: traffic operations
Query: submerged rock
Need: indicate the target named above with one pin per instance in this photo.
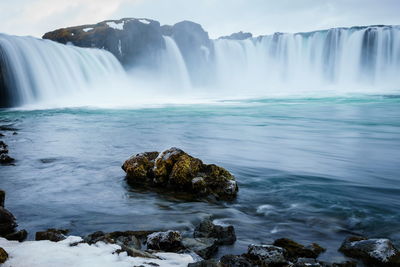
(2, 198)
(53, 235)
(295, 250)
(204, 247)
(235, 261)
(205, 263)
(265, 255)
(177, 170)
(224, 235)
(169, 241)
(374, 252)
(3, 255)
(4, 157)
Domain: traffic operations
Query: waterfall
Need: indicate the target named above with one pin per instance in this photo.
(174, 67)
(355, 59)
(35, 70)
(341, 60)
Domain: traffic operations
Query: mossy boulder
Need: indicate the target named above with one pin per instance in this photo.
(295, 250)
(176, 170)
(3, 255)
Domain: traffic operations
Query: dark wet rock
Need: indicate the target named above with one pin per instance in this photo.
(20, 235)
(126, 239)
(238, 36)
(345, 264)
(176, 170)
(295, 250)
(169, 241)
(3, 148)
(235, 261)
(136, 252)
(224, 235)
(308, 262)
(205, 263)
(373, 252)
(4, 157)
(8, 222)
(133, 41)
(53, 235)
(204, 247)
(2, 135)
(2, 198)
(15, 133)
(265, 255)
(8, 128)
(3, 255)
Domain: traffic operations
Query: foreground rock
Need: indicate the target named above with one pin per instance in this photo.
(8, 223)
(224, 235)
(54, 235)
(3, 255)
(169, 241)
(373, 252)
(176, 170)
(295, 250)
(4, 157)
(204, 247)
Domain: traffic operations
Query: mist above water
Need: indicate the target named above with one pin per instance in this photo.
(336, 61)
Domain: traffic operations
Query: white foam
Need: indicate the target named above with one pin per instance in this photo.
(87, 29)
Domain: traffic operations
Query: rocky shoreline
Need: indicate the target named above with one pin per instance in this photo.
(175, 170)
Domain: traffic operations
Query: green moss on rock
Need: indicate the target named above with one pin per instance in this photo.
(177, 170)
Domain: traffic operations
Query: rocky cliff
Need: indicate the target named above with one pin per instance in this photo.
(140, 41)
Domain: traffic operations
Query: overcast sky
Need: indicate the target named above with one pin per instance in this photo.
(218, 17)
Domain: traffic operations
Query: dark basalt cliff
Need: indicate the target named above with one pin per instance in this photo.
(130, 40)
(140, 41)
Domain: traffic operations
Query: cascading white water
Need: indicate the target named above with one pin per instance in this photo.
(349, 60)
(41, 69)
(174, 68)
(359, 59)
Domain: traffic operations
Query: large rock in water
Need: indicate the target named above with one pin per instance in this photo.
(177, 170)
(373, 252)
(132, 41)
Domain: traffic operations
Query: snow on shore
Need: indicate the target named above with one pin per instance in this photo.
(61, 254)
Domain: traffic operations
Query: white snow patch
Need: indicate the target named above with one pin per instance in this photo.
(383, 250)
(61, 254)
(144, 21)
(87, 29)
(117, 26)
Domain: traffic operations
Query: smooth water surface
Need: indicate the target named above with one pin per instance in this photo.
(314, 170)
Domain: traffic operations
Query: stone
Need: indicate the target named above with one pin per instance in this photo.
(205, 263)
(54, 235)
(307, 262)
(176, 170)
(2, 198)
(3, 255)
(204, 247)
(8, 222)
(20, 235)
(224, 235)
(376, 251)
(265, 255)
(6, 159)
(295, 250)
(235, 261)
(169, 241)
